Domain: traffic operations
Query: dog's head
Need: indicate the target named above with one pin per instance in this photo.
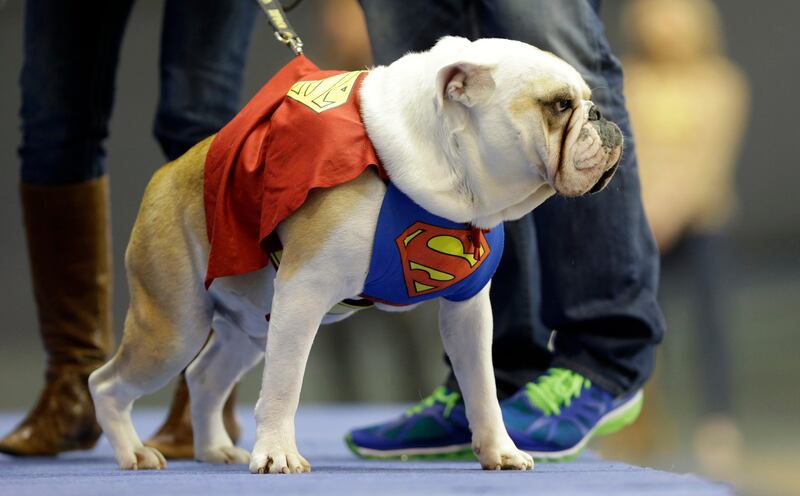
(530, 113)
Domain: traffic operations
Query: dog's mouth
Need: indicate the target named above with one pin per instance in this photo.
(604, 179)
(571, 180)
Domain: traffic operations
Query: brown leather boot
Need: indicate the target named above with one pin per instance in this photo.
(174, 439)
(69, 247)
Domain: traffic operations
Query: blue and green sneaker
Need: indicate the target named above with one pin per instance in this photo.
(435, 428)
(555, 416)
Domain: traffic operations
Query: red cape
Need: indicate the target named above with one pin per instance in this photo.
(290, 138)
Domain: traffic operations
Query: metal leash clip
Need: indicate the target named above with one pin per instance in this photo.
(284, 32)
(294, 42)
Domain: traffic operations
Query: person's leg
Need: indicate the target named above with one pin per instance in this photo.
(396, 28)
(437, 426)
(707, 256)
(717, 439)
(203, 51)
(204, 47)
(67, 92)
(599, 264)
(520, 338)
(598, 259)
(67, 85)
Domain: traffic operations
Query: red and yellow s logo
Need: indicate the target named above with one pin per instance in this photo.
(435, 258)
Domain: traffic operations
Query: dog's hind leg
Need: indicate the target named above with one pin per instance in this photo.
(169, 317)
(162, 335)
(210, 377)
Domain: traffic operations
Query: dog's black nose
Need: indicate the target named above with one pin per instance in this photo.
(594, 113)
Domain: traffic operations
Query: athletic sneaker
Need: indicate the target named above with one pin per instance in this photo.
(435, 428)
(555, 416)
(552, 418)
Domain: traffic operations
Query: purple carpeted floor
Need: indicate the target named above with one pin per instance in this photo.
(335, 470)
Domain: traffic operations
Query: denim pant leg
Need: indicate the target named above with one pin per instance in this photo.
(203, 51)
(71, 52)
(398, 27)
(598, 260)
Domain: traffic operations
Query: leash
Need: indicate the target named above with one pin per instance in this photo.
(284, 32)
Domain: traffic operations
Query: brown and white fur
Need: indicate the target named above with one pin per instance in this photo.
(477, 132)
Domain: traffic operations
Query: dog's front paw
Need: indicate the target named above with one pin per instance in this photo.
(502, 456)
(277, 461)
(228, 455)
(142, 458)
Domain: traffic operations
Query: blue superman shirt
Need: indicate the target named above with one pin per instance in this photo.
(417, 256)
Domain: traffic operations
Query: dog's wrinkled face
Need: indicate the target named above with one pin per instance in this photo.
(534, 110)
(560, 127)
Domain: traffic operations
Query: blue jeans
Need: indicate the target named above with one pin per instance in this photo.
(71, 55)
(585, 268)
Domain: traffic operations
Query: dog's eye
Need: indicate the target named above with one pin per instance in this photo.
(563, 105)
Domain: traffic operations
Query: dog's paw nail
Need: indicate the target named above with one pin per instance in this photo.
(226, 455)
(148, 459)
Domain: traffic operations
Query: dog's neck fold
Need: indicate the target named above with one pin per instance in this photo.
(433, 156)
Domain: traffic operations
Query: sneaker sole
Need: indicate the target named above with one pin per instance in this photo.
(453, 452)
(610, 423)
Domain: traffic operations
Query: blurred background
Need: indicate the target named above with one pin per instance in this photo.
(711, 93)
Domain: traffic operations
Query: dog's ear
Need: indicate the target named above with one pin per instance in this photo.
(464, 82)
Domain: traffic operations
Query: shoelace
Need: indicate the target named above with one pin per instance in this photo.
(556, 389)
(439, 395)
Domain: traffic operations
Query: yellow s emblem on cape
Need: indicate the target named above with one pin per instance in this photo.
(324, 94)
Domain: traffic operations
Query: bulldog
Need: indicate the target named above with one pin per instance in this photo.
(464, 137)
